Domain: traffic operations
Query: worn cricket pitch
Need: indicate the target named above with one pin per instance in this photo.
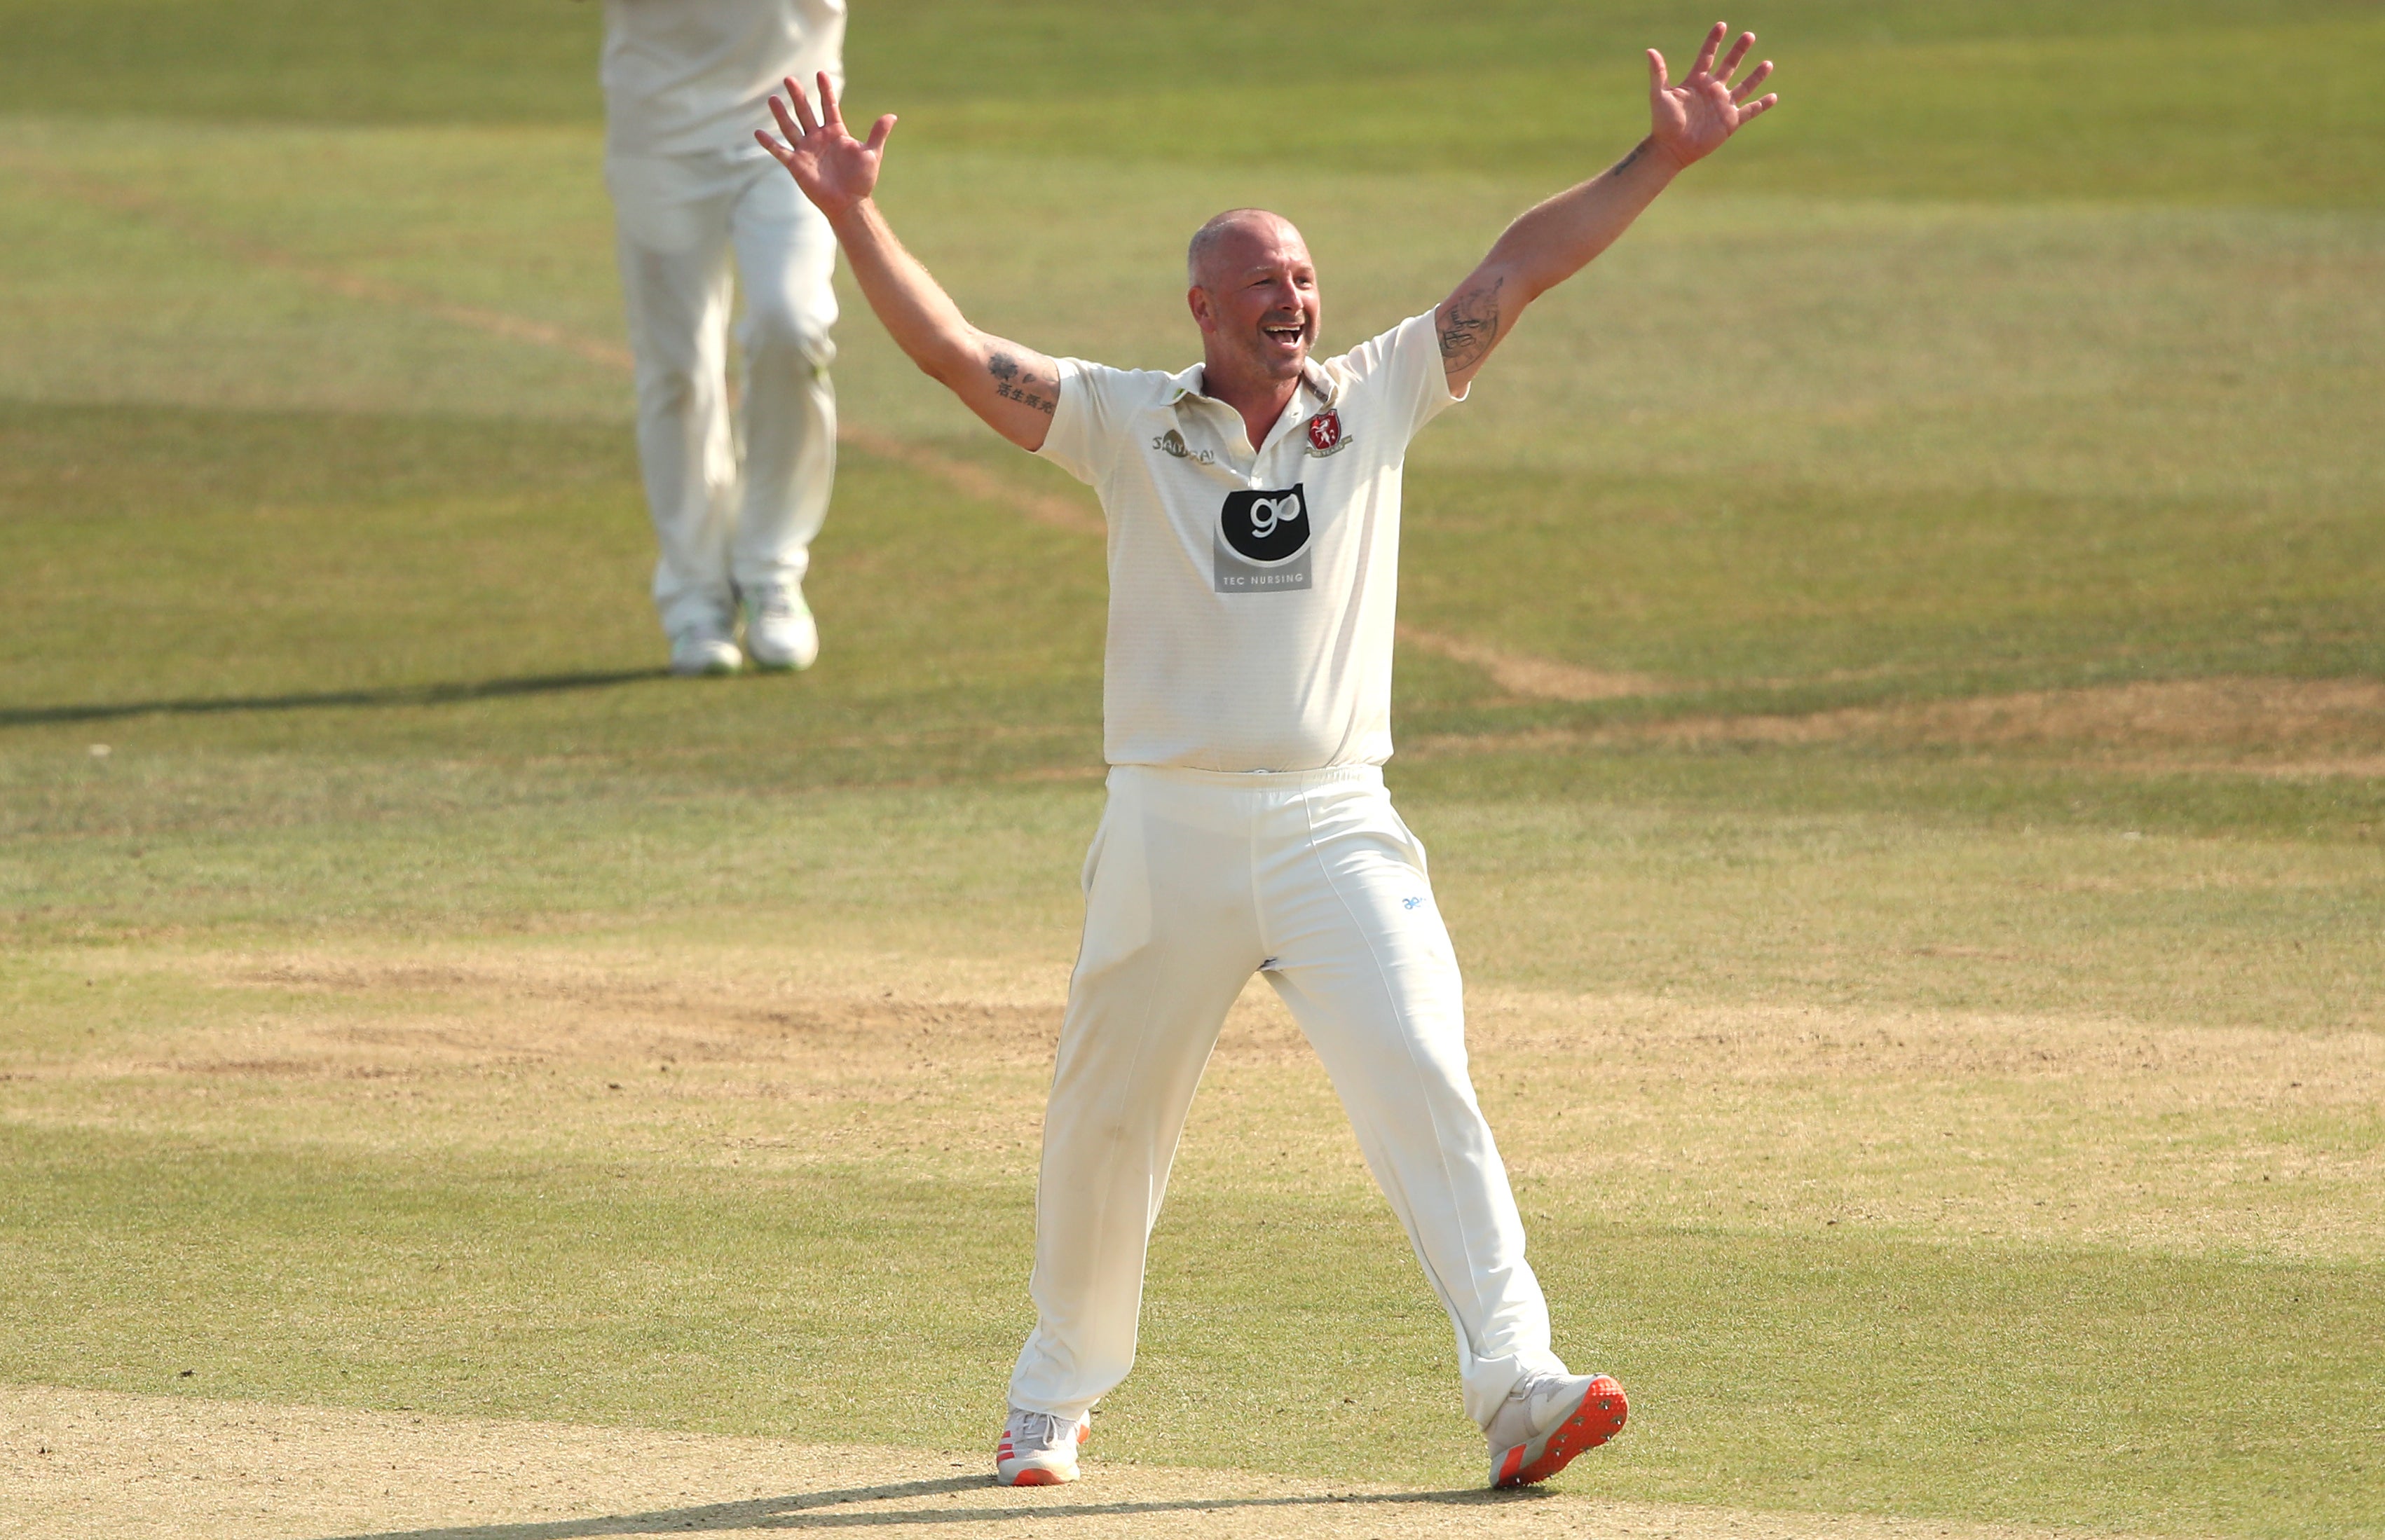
(80, 1463)
(1640, 1107)
(718, 1051)
(755, 1066)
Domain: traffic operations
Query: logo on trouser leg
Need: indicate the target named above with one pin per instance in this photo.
(1262, 543)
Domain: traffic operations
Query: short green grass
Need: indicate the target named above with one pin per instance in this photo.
(1921, 1126)
(2050, 1382)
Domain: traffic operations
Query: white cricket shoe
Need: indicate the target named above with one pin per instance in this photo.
(704, 650)
(1548, 1420)
(779, 631)
(1039, 1449)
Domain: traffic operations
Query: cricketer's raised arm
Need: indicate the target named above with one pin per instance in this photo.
(1015, 388)
(1554, 240)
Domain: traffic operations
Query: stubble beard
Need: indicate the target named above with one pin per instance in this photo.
(1277, 366)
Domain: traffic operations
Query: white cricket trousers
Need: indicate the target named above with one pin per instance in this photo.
(724, 527)
(1195, 880)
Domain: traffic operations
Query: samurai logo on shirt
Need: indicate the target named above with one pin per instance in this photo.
(1172, 442)
(1262, 543)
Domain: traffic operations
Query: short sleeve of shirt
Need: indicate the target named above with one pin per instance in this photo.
(1095, 402)
(1403, 369)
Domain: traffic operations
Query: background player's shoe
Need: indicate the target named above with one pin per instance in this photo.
(1548, 1420)
(1038, 1449)
(702, 650)
(779, 631)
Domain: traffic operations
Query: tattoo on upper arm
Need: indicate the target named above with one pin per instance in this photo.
(1013, 383)
(1471, 327)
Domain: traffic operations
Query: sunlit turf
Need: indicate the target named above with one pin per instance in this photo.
(396, 1237)
(645, 1183)
(1835, 1373)
(1921, 1123)
(2210, 102)
(2140, 442)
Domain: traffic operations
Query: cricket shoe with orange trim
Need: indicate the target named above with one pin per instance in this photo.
(1039, 1449)
(1548, 1420)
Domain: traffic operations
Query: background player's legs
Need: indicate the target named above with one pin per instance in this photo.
(1365, 963)
(786, 255)
(1170, 941)
(672, 220)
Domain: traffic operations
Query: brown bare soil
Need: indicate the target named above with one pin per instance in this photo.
(78, 1463)
(1535, 678)
(2269, 727)
(1948, 1125)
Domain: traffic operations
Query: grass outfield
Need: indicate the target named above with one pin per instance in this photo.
(1895, 690)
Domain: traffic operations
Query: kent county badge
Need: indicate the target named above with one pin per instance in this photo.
(1325, 436)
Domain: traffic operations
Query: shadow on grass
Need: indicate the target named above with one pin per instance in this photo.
(401, 695)
(837, 1509)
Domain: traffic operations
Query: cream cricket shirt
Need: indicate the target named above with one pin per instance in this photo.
(688, 77)
(1251, 592)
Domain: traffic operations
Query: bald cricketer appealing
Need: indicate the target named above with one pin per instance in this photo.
(1253, 503)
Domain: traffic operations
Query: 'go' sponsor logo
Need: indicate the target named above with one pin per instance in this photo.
(1266, 527)
(1263, 541)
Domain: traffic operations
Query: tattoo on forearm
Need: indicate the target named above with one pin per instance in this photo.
(1625, 164)
(1012, 384)
(1471, 327)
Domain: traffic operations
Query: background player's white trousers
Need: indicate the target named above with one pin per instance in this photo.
(1195, 880)
(680, 219)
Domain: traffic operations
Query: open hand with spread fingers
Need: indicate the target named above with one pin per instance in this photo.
(834, 169)
(1690, 120)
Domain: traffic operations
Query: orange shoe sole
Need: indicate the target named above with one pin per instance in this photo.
(1034, 1475)
(1599, 1417)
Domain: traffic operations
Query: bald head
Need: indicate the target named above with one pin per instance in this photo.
(1230, 241)
(1253, 293)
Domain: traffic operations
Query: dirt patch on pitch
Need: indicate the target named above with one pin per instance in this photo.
(1763, 1043)
(2210, 714)
(722, 1006)
(1641, 1109)
(1951, 1127)
(1536, 679)
(94, 1463)
(2276, 727)
(716, 1005)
